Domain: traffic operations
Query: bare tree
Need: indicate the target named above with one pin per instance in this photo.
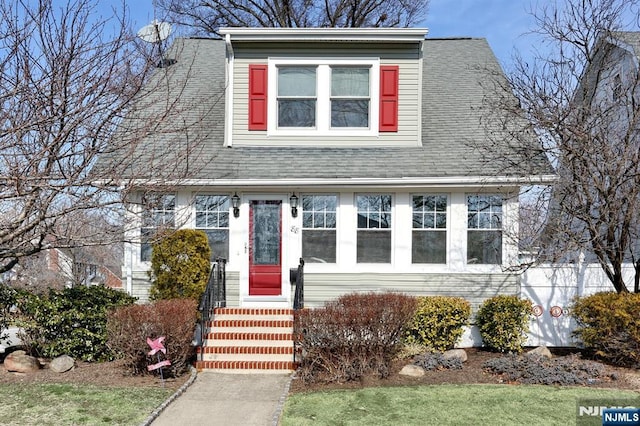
(581, 101)
(206, 17)
(68, 79)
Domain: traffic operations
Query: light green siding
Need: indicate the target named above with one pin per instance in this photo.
(141, 286)
(408, 58)
(319, 288)
(233, 289)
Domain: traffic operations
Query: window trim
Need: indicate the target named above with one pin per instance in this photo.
(390, 229)
(323, 107)
(205, 229)
(446, 229)
(147, 233)
(335, 229)
(500, 230)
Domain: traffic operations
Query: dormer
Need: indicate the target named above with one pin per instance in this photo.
(324, 86)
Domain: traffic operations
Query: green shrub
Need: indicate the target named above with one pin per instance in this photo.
(503, 322)
(609, 324)
(129, 326)
(354, 335)
(438, 322)
(180, 265)
(71, 321)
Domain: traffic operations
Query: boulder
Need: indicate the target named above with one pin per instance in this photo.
(20, 362)
(412, 371)
(540, 352)
(461, 354)
(62, 364)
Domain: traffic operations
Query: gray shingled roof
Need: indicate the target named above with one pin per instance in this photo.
(451, 118)
(632, 38)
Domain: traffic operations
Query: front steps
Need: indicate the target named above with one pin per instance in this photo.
(248, 340)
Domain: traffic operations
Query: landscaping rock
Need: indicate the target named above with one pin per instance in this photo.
(460, 354)
(20, 362)
(412, 371)
(540, 352)
(62, 364)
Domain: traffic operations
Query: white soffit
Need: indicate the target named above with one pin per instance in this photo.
(387, 35)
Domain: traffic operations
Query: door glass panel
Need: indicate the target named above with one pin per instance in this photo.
(266, 233)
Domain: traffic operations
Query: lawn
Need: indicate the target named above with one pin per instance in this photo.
(66, 404)
(444, 405)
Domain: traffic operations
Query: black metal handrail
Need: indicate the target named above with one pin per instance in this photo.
(298, 297)
(215, 296)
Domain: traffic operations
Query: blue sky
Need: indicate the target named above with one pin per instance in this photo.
(501, 22)
(506, 24)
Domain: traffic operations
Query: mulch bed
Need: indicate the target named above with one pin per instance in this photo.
(472, 372)
(111, 374)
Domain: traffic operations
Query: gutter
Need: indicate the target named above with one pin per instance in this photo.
(472, 181)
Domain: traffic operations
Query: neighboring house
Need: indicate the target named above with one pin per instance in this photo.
(56, 268)
(610, 93)
(354, 149)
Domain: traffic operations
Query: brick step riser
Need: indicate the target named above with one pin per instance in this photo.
(252, 331)
(279, 350)
(219, 343)
(246, 357)
(246, 365)
(218, 323)
(252, 311)
(252, 318)
(250, 336)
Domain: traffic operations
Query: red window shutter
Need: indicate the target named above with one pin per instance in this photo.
(257, 97)
(389, 98)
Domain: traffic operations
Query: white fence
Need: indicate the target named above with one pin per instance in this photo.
(552, 290)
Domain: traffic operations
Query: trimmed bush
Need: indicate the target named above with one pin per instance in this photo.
(71, 321)
(180, 265)
(609, 325)
(438, 322)
(503, 322)
(354, 335)
(128, 328)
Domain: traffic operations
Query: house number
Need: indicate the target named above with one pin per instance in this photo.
(294, 229)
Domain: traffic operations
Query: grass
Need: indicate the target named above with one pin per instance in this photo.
(57, 404)
(443, 405)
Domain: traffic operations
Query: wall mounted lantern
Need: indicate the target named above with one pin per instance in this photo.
(235, 203)
(293, 201)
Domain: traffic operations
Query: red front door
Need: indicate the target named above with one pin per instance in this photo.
(265, 243)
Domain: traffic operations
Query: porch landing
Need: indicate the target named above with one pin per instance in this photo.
(248, 340)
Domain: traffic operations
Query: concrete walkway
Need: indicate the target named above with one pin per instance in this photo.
(228, 399)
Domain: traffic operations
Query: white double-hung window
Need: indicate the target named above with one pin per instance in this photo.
(324, 96)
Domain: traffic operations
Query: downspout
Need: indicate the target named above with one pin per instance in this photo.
(229, 94)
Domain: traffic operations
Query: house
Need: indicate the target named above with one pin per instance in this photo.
(353, 149)
(63, 267)
(604, 132)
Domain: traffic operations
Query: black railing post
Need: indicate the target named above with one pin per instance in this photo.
(214, 296)
(298, 298)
